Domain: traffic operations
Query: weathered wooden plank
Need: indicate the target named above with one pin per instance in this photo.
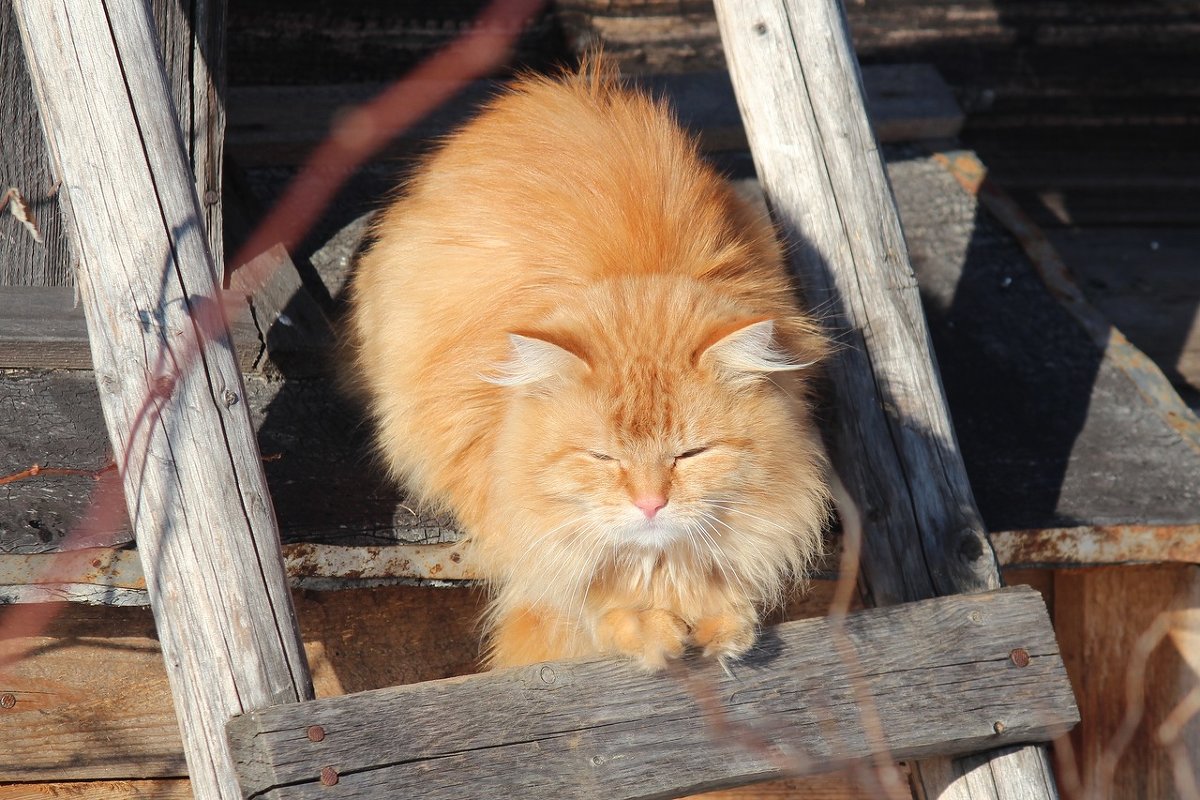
(317, 458)
(43, 327)
(892, 443)
(292, 326)
(70, 720)
(25, 167)
(99, 790)
(279, 124)
(191, 36)
(937, 675)
(170, 387)
(1102, 614)
(1144, 281)
(837, 786)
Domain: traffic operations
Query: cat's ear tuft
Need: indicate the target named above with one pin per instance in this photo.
(747, 348)
(535, 359)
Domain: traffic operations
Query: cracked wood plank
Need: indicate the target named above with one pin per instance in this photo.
(938, 674)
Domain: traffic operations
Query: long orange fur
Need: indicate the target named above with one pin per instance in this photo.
(567, 313)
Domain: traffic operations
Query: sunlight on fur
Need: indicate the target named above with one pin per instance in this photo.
(575, 337)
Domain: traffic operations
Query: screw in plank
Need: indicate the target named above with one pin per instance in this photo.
(1020, 657)
(760, 28)
(8, 700)
(315, 733)
(547, 675)
(211, 197)
(230, 397)
(329, 776)
(998, 727)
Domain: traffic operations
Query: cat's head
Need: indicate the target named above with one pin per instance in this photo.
(649, 415)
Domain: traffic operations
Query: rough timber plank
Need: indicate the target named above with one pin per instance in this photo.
(892, 442)
(190, 34)
(280, 124)
(43, 327)
(72, 721)
(172, 394)
(1102, 614)
(99, 790)
(317, 458)
(602, 728)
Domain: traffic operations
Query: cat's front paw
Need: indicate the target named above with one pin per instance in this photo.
(726, 636)
(650, 637)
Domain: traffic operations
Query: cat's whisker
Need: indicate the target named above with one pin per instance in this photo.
(755, 517)
(729, 577)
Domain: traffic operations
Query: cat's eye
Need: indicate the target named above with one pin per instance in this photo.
(600, 456)
(695, 451)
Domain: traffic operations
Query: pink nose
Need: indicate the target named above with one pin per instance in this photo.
(650, 504)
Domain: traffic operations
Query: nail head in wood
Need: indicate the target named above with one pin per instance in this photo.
(329, 776)
(8, 700)
(1020, 657)
(316, 733)
(998, 727)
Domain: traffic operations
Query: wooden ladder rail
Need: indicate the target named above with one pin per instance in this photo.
(800, 93)
(170, 386)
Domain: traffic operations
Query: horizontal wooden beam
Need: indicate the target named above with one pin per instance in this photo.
(944, 676)
(280, 124)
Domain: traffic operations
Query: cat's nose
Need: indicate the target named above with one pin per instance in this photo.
(650, 504)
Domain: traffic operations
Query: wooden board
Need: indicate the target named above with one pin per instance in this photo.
(1144, 280)
(1102, 614)
(42, 327)
(1055, 431)
(72, 721)
(276, 125)
(602, 728)
(190, 36)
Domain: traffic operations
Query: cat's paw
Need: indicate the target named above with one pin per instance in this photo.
(649, 637)
(725, 636)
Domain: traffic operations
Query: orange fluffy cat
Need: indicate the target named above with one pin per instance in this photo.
(575, 337)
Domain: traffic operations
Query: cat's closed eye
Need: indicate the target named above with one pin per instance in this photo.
(600, 456)
(695, 451)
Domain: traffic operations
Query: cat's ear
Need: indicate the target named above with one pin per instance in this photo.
(746, 348)
(536, 358)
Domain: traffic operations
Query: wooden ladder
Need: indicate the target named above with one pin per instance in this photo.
(949, 665)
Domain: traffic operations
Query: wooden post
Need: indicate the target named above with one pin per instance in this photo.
(170, 387)
(800, 93)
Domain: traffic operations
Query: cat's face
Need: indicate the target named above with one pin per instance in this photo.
(641, 439)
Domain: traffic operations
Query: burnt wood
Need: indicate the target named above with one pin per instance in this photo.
(939, 676)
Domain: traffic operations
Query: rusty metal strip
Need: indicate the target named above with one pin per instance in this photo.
(1094, 545)
(111, 576)
(1145, 375)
